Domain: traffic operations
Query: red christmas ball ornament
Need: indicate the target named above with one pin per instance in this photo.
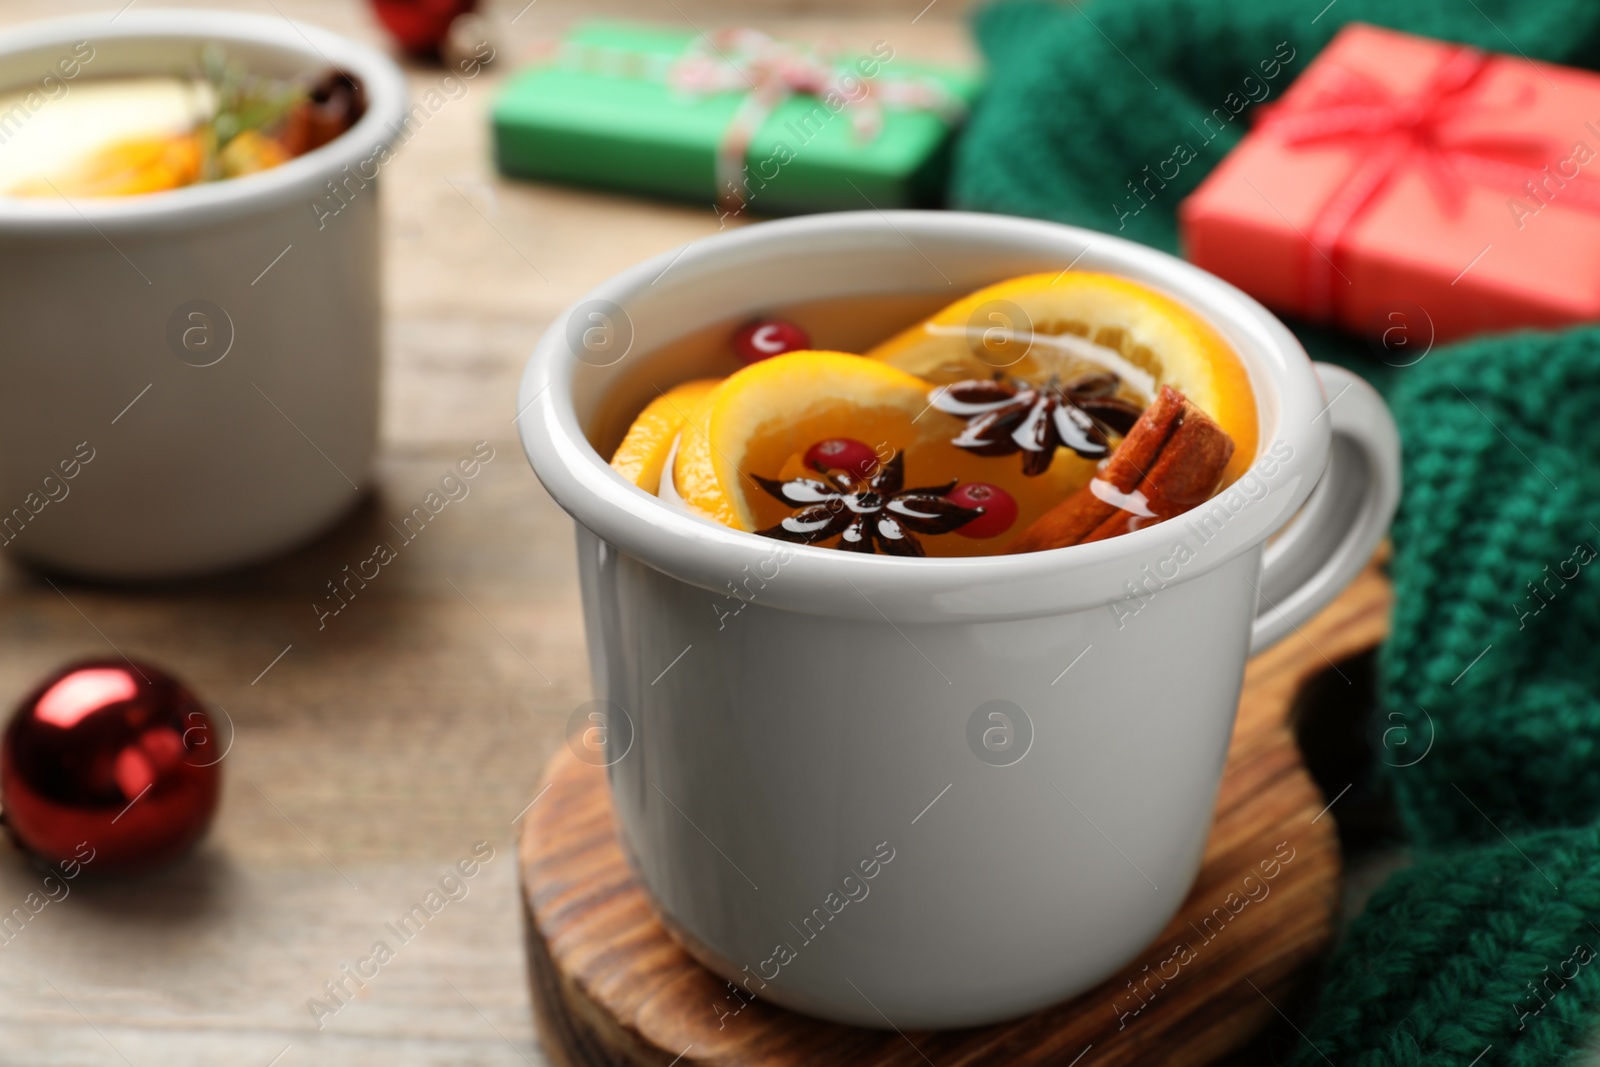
(842, 454)
(109, 764)
(999, 509)
(420, 26)
(766, 338)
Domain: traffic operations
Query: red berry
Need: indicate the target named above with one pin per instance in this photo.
(843, 453)
(999, 509)
(766, 338)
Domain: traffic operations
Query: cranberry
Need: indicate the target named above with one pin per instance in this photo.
(998, 506)
(846, 454)
(766, 338)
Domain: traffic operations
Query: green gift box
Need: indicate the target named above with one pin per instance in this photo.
(735, 118)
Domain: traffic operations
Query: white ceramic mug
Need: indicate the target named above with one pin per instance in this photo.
(816, 790)
(190, 378)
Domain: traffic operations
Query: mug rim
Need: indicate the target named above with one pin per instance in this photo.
(952, 588)
(376, 130)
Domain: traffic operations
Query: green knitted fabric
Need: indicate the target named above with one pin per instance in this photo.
(1485, 948)
(1493, 657)
(1082, 98)
(1493, 686)
(1497, 680)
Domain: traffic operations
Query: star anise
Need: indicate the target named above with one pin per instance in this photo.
(1008, 415)
(867, 514)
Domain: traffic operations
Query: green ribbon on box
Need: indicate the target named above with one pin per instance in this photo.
(735, 117)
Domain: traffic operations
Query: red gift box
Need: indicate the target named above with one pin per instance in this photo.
(1402, 174)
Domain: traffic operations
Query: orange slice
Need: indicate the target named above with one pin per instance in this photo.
(126, 168)
(644, 450)
(1070, 324)
(764, 418)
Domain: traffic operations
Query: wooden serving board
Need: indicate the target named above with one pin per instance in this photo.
(611, 988)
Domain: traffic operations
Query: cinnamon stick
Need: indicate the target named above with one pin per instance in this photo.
(1083, 512)
(1169, 462)
(1184, 475)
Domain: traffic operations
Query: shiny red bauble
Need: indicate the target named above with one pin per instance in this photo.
(420, 25)
(767, 338)
(111, 764)
(842, 454)
(999, 509)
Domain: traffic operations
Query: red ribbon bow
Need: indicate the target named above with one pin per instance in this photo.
(1393, 133)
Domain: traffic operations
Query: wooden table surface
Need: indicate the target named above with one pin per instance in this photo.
(373, 754)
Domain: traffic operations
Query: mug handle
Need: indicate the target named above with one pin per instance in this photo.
(1327, 543)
